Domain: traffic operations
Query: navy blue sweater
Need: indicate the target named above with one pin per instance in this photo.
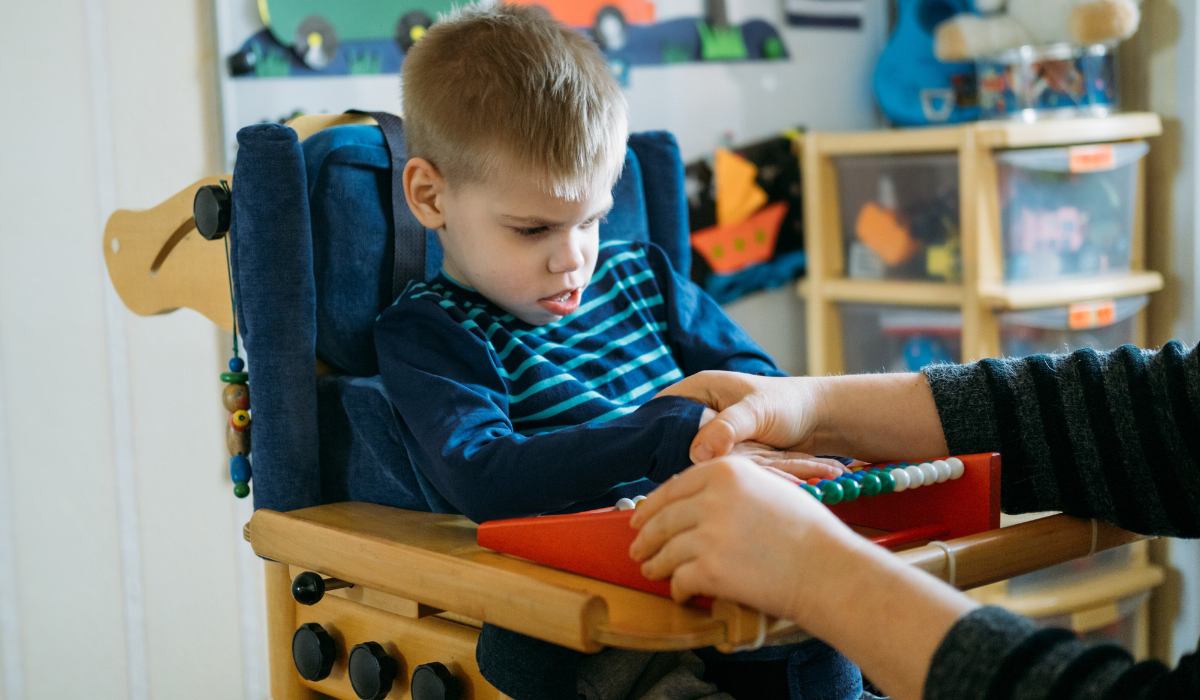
(507, 419)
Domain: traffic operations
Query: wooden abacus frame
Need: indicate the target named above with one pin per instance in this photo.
(982, 293)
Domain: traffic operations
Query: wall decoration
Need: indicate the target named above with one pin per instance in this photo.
(830, 14)
(327, 38)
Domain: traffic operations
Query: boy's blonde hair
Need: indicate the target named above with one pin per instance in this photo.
(505, 84)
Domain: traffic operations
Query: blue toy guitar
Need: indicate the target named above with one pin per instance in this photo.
(912, 86)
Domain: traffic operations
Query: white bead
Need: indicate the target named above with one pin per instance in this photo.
(637, 500)
(929, 472)
(901, 478)
(625, 504)
(916, 477)
(943, 471)
(956, 467)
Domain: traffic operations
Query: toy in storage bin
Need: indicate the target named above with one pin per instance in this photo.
(900, 216)
(1068, 211)
(898, 338)
(1100, 325)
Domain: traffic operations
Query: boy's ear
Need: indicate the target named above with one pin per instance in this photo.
(425, 189)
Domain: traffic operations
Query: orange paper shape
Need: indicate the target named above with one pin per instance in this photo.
(730, 248)
(884, 234)
(738, 195)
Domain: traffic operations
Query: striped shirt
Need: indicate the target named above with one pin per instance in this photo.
(507, 419)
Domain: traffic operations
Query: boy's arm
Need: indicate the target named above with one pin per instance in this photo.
(702, 336)
(443, 381)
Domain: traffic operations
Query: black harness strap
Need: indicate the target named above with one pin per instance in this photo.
(409, 261)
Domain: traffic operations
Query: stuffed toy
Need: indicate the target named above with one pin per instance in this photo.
(1005, 25)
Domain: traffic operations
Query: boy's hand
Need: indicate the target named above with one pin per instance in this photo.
(798, 464)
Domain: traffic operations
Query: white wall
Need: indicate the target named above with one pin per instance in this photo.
(119, 554)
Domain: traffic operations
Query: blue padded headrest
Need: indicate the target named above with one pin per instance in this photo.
(349, 191)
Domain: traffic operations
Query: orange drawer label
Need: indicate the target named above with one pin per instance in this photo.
(1091, 314)
(1087, 159)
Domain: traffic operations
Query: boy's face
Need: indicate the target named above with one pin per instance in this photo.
(529, 252)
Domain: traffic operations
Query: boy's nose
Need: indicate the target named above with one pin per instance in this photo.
(567, 255)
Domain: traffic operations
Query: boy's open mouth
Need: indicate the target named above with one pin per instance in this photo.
(562, 303)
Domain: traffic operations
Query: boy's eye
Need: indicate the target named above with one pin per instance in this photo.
(532, 231)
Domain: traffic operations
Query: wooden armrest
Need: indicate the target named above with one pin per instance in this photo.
(433, 559)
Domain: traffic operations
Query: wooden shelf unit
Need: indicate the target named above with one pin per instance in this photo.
(982, 293)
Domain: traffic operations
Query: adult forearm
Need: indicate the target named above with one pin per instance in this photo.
(876, 417)
(885, 616)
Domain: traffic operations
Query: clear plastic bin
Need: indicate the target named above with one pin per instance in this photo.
(880, 338)
(900, 216)
(1072, 572)
(898, 338)
(1067, 211)
(1113, 622)
(1100, 325)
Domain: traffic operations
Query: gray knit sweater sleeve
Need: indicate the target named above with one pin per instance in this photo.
(1108, 435)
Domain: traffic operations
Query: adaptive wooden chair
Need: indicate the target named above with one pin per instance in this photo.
(367, 591)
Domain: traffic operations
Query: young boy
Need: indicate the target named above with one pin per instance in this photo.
(525, 373)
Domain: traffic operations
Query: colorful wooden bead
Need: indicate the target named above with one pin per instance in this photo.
(241, 489)
(239, 420)
(957, 468)
(811, 490)
(901, 478)
(943, 470)
(236, 397)
(850, 489)
(870, 485)
(916, 477)
(928, 472)
(239, 468)
(235, 377)
(831, 493)
(236, 364)
(637, 500)
(238, 441)
(625, 504)
(887, 482)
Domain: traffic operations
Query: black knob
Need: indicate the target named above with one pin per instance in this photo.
(308, 588)
(434, 682)
(313, 652)
(211, 209)
(371, 671)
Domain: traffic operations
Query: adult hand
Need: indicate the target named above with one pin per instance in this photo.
(780, 412)
(873, 417)
(732, 529)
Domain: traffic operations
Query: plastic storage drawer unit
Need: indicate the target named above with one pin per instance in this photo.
(1068, 211)
(1100, 325)
(879, 338)
(900, 216)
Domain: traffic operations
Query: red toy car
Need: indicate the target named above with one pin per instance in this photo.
(609, 20)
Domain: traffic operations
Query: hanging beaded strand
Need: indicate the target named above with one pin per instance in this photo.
(236, 398)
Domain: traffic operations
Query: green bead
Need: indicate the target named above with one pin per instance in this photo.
(235, 377)
(811, 490)
(831, 493)
(887, 482)
(850, 490)
(870, 485)
(241, 489)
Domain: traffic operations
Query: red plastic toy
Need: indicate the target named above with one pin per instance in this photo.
(596, 543)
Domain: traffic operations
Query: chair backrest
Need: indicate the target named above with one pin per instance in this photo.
(312, 244)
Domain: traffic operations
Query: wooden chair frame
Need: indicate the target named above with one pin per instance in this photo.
(422, 586)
